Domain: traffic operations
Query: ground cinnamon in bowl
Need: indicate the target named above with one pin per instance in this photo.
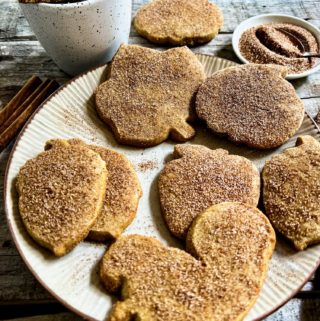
(281, 44)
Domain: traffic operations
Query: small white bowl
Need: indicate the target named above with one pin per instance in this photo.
(274, 18)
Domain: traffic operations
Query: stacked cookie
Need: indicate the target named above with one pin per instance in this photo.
(201, 177)
(72, 191)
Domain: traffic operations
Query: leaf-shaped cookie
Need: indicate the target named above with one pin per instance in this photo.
(202, 177)
(179, 22)
(230, 243)
(150, 94)
(291, 192)
(61, 193)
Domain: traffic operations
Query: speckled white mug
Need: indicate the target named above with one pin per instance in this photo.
(80, 35)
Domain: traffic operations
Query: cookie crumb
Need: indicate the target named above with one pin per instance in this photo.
(147, 166)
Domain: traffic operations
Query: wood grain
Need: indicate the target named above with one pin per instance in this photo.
(296, 309)
(67, 316)
(15, 26)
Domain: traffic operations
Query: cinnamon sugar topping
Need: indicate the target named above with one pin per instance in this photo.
(61, 192)
(149, 94)
(201, 177)
(251, 104)
(179, 22)
(231, 244)
(281, 44)
(291, 192)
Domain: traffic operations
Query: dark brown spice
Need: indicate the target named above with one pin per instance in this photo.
(148, 165)
(281, 44)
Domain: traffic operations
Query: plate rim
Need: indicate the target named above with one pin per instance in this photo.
(16, 243)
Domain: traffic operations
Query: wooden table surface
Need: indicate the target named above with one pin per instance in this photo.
(21, 55)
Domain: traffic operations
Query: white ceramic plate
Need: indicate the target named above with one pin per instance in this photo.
(73, 279)
(274, 18)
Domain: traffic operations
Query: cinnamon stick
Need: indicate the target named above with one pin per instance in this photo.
(317, 119)
(19, 110)
(47, 88)
(19, 98)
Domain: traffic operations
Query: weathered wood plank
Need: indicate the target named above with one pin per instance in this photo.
(296, 309)
(67, 316)
(20, 60)
(6, 245)
(14, 24)
(312, 106)
(237, 11)
(17, 283)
